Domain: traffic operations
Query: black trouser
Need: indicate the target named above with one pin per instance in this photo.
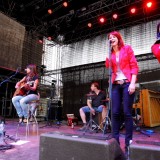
(121, 96)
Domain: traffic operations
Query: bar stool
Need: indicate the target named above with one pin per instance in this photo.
(32, 113)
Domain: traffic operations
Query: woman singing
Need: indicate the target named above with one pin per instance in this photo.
(124, 74)
(19, 101)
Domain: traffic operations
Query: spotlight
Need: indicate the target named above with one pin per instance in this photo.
(37, 7)
(42, 69)
(115, 16)
(83, 9)
(65, 4)
(89, 25)
(133, 10)
(49, 38)
(149, 4)
(102, 19)
(60, 38)
(40, 41)
(53, 83)
(50, 11)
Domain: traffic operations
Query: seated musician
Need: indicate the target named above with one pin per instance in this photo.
(95, 103)
(26, 91)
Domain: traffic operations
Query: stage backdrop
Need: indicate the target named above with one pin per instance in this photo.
(11, 42)
(141, 37)
(18, 48)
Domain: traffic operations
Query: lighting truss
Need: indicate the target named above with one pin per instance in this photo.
(91, 13)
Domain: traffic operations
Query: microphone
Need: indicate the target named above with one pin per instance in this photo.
(18, 69)
(110, 41)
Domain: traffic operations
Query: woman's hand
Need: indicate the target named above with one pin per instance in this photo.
(92, 111)
(131, 88)
(27, 87)
(17, 85)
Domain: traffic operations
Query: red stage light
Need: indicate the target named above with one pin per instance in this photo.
(102, 19)
(49, 38)
(40, 41)
(89, 25)
(50, 11)
(65, 4)
(133, 10)
(149, 4)
(115, 16)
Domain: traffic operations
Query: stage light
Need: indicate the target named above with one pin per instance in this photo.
(133, 10)
(83, 9)
(50, 11)
(149, 4)
(102, 19)
(40, 41)
(37, 7)
(115, 16)
(65, 4)
(49, 38)
(89, 25)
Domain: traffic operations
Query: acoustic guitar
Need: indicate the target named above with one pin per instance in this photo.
(21, 91)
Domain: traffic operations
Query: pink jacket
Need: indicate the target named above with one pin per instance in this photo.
(128, 63)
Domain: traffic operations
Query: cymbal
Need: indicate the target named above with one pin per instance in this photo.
(90, 94)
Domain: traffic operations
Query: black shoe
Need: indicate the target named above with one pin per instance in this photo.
(83, 128)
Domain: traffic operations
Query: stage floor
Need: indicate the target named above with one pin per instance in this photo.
(28, 147)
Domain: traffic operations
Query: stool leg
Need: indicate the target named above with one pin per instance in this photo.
(17, 130)
(27, 128)
(36, 122)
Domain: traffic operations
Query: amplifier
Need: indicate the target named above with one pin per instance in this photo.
(55, 102)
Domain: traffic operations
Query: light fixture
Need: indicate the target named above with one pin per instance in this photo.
(133, 10)
(89, 25)
(115, 16)
(65, 4)
(102, 19)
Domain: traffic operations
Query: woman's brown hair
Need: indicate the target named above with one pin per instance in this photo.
(33, 69)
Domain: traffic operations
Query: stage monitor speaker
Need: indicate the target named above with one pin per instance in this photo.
(145, 150)
(60, 146)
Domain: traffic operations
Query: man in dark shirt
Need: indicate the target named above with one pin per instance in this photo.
(95, 103)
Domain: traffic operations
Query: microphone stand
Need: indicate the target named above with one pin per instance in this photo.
(109, 90)
(3, 147)
(138, 128)
(4, 99)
